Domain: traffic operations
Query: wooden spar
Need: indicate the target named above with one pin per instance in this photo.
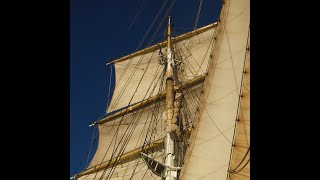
(151, 100)
(164, 43)
(124, 158)
(169, 174)
(129, 156)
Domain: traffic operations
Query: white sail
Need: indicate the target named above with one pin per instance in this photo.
(135, 75)
(211, 141)
(136, 169)
(108, 130)
(239, 167)
(218, 52)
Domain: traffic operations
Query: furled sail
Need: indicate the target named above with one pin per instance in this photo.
(208, 155)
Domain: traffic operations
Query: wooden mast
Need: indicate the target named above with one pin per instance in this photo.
(169, 174)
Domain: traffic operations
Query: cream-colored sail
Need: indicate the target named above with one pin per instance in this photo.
(220, 52)
(211, 141)
(135, 169)
(108, 130)
(135, 75)
(239, 167)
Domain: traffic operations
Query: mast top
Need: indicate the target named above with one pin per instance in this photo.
(169, 33)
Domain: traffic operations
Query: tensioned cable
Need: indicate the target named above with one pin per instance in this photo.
(158, 28)
(118, 129)
(140, 81)
(109, 92)
(138, 160)
(87, 153)
(186, 63)
(139, 45)
(92, 139)
(128, 126)
(235, 172)
(146, 123)
(151, 40)
(193, 94)
(171, 6)
(198, 14)
(151, 25)
(244, 157)
(138, 13)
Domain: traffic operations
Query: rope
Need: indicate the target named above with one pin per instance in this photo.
(241, 160)
(92, 140)
(151, 25)
(138, 13)
(198, 14)
(109, 92)
(151, 40)
(130, 132)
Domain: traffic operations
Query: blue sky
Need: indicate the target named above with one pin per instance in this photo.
(98, 33)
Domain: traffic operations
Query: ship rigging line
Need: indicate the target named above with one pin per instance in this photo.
(109, 92)
(156, 109)
(137, 162)
(129, 103)
(196, 97)
(198, 14)
(113, 139)
(167, 12)
(129, 134)
(150, 42)
(121, 154)
(122, 148)
(87, 153)
(94, 137)
(244, 157)
(139, 63)
(144, 3)
(188, 50)
(235, 172)
(152, 122)
(151, 25)
(92, 140)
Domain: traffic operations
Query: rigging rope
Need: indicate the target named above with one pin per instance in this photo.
(92, 140)
(151, 25)
(128, 126)
(198, 14)
(109, 92)
(138, 13)
(115, 149)
(149, 43)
